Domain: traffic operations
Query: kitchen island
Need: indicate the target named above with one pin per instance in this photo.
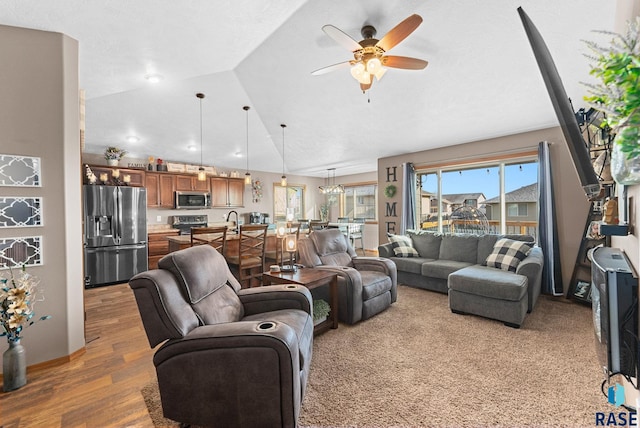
(181, 242)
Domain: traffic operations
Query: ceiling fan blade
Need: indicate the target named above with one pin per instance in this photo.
(341, 38)
(399, 32)
(403, 62)
(331, 68)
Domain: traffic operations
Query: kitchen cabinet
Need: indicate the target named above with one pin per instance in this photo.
(191, 182)
(158, 245)
(160, 189)
(227, 192)
(136, 176)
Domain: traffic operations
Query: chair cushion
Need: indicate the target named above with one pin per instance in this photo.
(374, 283)
(199, 270)
(507, 254)
(202, 274)
(332, 247)
(402, 246)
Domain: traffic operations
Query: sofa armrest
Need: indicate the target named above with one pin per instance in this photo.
(531, 267)
(386, 250)
(275, 297)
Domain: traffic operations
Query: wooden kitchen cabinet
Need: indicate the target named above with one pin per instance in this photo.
(160, 189)
(137, 176)
(158, 246)
(227, 192)
(191, 182)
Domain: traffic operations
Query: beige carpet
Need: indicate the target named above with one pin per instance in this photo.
(419, 365)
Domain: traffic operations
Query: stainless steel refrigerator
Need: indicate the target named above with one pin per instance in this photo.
(115, 233)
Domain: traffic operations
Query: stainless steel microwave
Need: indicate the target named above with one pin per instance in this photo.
(192, 200)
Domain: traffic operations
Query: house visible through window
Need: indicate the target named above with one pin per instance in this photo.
(359, 201)
(517, 210)
(289, 199)
(471, 198)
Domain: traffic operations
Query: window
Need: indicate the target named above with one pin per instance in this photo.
(359, 201)
(456, 196)
(288, 200)
(517, 210)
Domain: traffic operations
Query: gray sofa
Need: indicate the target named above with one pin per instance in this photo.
(454, 264)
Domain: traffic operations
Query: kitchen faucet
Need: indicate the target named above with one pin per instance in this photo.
(229, 216)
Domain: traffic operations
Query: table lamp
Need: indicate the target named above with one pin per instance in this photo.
(291, 246)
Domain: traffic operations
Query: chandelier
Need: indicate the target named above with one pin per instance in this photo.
(331, 188)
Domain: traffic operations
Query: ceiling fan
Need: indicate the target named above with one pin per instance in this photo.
(369, 54)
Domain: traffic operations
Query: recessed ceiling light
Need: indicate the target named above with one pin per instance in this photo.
(191, 147)
(238, 154)
(132, 139)
(153, 78)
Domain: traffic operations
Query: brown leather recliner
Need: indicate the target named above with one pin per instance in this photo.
(366, 285)
(231, 357)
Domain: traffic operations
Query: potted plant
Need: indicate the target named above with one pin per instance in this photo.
(617, 95)
(18, 295)
(113, 155)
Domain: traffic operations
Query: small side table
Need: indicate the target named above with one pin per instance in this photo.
(311, 278)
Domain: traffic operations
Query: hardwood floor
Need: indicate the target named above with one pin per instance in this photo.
(98, 389)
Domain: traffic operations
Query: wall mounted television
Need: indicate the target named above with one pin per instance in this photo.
(564, 112)
(614, 301)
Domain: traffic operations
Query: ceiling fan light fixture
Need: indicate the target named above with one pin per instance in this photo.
(380, 72)
(373, 65)
(359, 72)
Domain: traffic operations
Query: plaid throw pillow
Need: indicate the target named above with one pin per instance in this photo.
(402, 246)
(507, 254)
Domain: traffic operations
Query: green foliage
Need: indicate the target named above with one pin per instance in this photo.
(618, 93)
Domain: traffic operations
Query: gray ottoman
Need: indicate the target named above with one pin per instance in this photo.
(490, 293)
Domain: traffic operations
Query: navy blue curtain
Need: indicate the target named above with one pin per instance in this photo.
(408, 219)
(547, 226)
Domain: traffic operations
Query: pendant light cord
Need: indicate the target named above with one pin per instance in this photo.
(246, 108)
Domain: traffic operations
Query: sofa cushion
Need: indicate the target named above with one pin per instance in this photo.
(489, 282)
(442, 268)
(413, 264)
(402, 246)
(486, 243)
(507, 254)
(426, 243)
(460, 248)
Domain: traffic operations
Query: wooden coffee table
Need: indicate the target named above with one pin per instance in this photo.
(311, 278)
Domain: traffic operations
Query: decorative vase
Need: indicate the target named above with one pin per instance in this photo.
(112, 162)
(624, 171)
(14, 366)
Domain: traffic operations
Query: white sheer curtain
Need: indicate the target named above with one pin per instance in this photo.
(547, 227)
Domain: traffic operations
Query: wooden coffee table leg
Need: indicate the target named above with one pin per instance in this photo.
(333, 294)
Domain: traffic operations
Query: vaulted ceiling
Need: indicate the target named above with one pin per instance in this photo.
(481, 82)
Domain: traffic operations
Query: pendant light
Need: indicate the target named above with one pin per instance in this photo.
(202, 176)
(331, 188)
(247, 175)
(283, 179)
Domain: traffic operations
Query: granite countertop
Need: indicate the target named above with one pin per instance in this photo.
(160, 228)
